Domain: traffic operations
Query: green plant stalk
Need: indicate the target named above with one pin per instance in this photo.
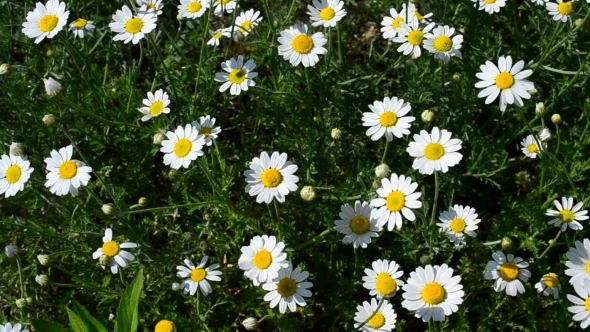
(171, 207)
(385, 151)
(201, 55)
(551, 244)
(546, 51)
(433, 213)
(167, 73)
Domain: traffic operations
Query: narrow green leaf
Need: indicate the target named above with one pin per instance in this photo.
(127, 314)
(47, 326)
(76, 323)
(91, 323)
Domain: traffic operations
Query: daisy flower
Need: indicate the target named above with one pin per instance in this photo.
(52, 87)
(388, 118)
(436, 151)
(411, 37)
(507, 271)
(567, 214)
(270, 177)
(413, 12)
(195, 277)
(581, 307)
(391, 25)
(193, 8)
(579, 262)
(433, 293)
(530, 148)
(458, 221)
(80, 27)
(131, 28)
(237, 76)
(206, 127)
(442, 45)
(397, 197)
(382, 318)
(155, 104)
(262, 259)
(288, 289)
(112, 251)
(165, 326)
(9, 328)
(299, 47)
(490, 6)
(326, 13)
(358, 225)
(561, 10)
(217, 35)
(182, 146)
(505, 80)
(46, 20)
(227, 5)
(247, 20)
(154, 6)
(383, 280)
(10, 250)
(15, 171)
(66, 174)
(549, 285)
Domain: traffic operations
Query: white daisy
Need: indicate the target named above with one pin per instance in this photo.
(567, 214)
(384, 279)
(80, 27)
(490, 6)
(193, 8)
(270, 177)
(246, 21)
(131, 28)
(15, 171)
(66, 174)
(397, 197)
(413, 12)
(197, 276)
(381, 318)
(458, 221)
(505, 80)
(262, 259)
(154, 6)
(11, 250)
(506, 271)
(299, 47)
(433, 293)
(52, 87)
(358, 225)
(9, 328)
(530, 148)
(46, 20)
(217, 35)
(155, 104)
(112, 250)
(561, 10)
(411, 37)
(391, 25)
(326, 13)
(434, 152)
(238, 75)
(182, 146)
(549, 285)
(223, 5)
(579, 262)
(288, 289)
(388, 118)
(581, 308)
(206, 127)
(442, 45)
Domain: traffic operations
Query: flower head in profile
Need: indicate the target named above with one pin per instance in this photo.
(114, 253)
(326, 13)
(52, 87)
(411, 37)
(581, 307)
(434, 152)
(384, 279)
(65, 175)
(530, 146)
(358, 224)
(154, 6)
(237, 76)
(132, 28)
(457, 222)
(81, 27)
(388, 118)
(206, 127)
(391, 25)
(380, 318)
(15, 171)
(414, 13)
(549, 285)
(262, 259)
(288, 289)
(560, 10)
(246, 21)
(507, 273)
(578, 262)
(155, 104)
(397, 197)
(182, 146)
(217, 35)
(568, 214)
(197, 277)
(298, 46)
(193, 8)
(45, 21)
(443, 44)
(490, 6)
(271, 177)
(223, 5)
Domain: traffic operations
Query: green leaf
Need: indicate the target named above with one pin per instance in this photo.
(128, 307)
(47, 326)
(76, 323)
(91, 323)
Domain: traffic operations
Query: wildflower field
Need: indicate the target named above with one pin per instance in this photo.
(325, 165)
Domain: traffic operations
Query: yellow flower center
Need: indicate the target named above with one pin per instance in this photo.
(134, 25)
(489, 2)
(395, 201)
(13, 174)
(110, 249)
(302, 44)
(397, 23)
(198, 274)
(587, 304)
(156, 108)
(194, 7)
(532, 148)
(262, 259)
(385, 285)
(217, 35)
(509, 271)
(80, 23)
(287, 287)
(565, 8)
(588, 267)
(183, 147)
(223, 2)
(237, 76)
(415, 37)
(246, 26)
(434, 151)
(327, 14)
(566, 216)
(271, 178)
(68, 170)
(206, 131)
(48, 23)
(377, 321)
(458, 225)
(551, 280)
(504, 80)
(388, 119)
(443, 44)
(164, 326)
(151, 7)
(418, 16)
(433, 293)
(359, 225)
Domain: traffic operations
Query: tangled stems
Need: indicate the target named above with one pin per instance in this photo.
(432, 224)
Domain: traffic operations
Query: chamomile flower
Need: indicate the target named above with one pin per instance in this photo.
(206, 127)
(217, 35)
(81, 27)
(299, 47)
(246, 21)
(413, 12)
(64, 173)
(433, 292)
(130, 28)
(182, 146)
(238, 75)
(581, 307)
(223, 5)
(381, 318)
(397, 197)
(457, 222)
(530, 147)
(15, 171)
(507, 273)
(193, 8)
(326, 13)
(505, 80)
(358, 225)
(383, 280)
(568, 214)
(52, 87)
(46, 20)
(155, 104)
(388, 118)
(490, 6)
(197, 277)
(262, 259)
(154, 6)
(442, 45)
(561, 10)
(270, 177)
(9, 328)
(579, 262)
(288, 289)
(411, 37)
(436, 151)
(114, 253)
(391, 25)
(549, 285)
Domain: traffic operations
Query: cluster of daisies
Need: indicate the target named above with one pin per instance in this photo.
(560, 10)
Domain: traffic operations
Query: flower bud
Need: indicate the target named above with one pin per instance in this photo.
(507, 243)
(208, 217)
(556, 118)
(142, 202)
(180, 18)
(307, 193)
(462, 30)
(104, 260)
(173, 174)
(158, 138)
(50, 53)
(43, 259)
(175, 286)
(108, 209)
(42, 280)
(336, 134)
(4, 69)
(540, 109)
(52, 87)
(377, 183)
(16, 149)
(382, 171)
(11, 250)
(456, 78)
(250, 323)
(30, 302)
(578, 22)
(427, 116)
(545, 135)
(48, 120)
(425, 259)
(21, 303)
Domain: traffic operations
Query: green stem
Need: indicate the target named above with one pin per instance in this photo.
(339, 44)
(164, 66)
(433, 214)
(385, 151)
(551, 244)
(546, 51)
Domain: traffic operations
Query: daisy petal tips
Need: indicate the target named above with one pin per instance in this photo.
(436, 151)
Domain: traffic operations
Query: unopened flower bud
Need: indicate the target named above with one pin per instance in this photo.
(52, 87)
(104, 260)
(42, 280)
(540, 109)
(533, 92)
(250, 323)
(142, 202)
(427, 116)
(507, 243)
(30, 301)
(16, 149)
(425, 259)
(336, 134)
(307, 193)
(159, 138)
(50, 53)
(4, 69)
(382, 171)
(21, 303)
(578, 22)
(43, 259)
(173, 174)
(545, 135)
(175, 286)
(456, 78)
(556, 118)
(48, 119)
(462, 30)
(179, 17)
(108, 209)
